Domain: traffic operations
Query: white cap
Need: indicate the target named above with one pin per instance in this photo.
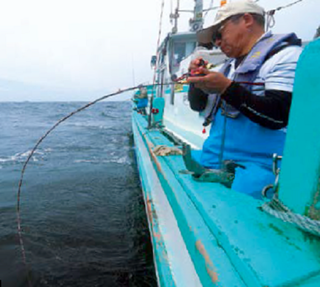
(234, 8)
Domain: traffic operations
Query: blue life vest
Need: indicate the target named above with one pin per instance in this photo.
(244, 140)
(142, 103)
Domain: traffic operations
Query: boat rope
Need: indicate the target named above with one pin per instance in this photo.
(163, 150)
(277, 209)
(286, 6)
(18, 207)
(270, 21)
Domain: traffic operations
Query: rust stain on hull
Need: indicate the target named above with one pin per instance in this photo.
(153, 219)
(152, 214)
(209, 264)
(149, 209)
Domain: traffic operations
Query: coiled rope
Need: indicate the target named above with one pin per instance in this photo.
(277, 209)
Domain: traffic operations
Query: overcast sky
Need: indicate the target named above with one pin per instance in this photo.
(81, 50)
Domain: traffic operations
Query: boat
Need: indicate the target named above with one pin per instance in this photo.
(203, 233)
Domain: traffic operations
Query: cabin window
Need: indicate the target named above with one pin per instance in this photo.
(160, 72)
(179, 53)
(190, 46)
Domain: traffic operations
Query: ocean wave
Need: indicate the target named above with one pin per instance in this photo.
(87, 125)
(87, 160)
(22, 156)
(121, 160)
(110, 115)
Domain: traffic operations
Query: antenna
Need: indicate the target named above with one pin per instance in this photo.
(196, 23)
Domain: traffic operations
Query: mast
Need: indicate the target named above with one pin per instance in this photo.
(196, 23)
(175, 17)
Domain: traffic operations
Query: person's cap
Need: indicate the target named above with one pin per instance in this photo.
(226, 11)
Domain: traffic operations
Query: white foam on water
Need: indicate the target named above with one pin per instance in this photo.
(21, 156)
(87, 160)
(121, 160)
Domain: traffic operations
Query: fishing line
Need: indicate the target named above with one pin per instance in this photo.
(36, 146)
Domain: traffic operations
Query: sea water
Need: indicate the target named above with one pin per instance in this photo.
(82, 210)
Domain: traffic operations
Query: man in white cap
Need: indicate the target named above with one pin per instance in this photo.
(248, 101)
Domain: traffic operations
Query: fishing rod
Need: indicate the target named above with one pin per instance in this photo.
(18, 208)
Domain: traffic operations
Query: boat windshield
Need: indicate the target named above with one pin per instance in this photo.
(180, 51)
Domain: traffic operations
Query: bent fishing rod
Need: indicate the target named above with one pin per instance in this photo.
(18, 207)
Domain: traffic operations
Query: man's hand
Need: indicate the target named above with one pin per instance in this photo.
(210, 82)
(196, 63)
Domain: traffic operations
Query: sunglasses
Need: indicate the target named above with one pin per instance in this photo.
(218, 34)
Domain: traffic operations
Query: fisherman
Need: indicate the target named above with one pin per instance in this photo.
(141, 100)
(248, 101)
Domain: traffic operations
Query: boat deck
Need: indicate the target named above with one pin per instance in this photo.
(205, 234)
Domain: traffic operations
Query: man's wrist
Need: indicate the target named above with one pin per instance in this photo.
(226, 86)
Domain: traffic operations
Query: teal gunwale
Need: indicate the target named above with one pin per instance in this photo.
(199, 240)
(231, 242)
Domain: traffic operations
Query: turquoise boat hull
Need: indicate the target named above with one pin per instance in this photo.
(205, 234)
